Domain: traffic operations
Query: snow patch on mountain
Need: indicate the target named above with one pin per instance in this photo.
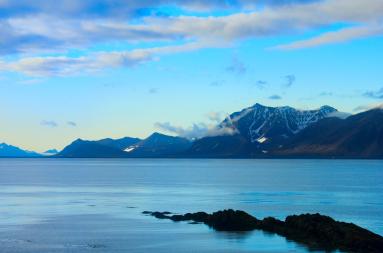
(262, 139)
(130, 149)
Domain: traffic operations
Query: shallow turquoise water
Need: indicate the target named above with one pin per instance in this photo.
(77, 205)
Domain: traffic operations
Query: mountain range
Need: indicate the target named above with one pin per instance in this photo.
(12, 151)
(254, 132)
(156, 145)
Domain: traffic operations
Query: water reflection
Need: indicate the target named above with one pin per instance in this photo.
(50, 205)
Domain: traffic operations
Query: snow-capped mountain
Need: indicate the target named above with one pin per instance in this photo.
(259, 131)
(260, 124)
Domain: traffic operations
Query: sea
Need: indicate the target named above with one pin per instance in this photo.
(96, 205)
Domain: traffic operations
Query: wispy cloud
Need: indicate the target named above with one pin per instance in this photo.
(60, 66)
(216, 117)
(289, 80)
(119, 8)
(71, 123)
(199, 130)
(153, 91)
(362, 108)
(260, 84)
(49, 123)
(378, 94)
(30, 29)
(320, 95)
(65, 65)
(236, 66)
(275, 97)
(195, 131)
(217, 83)
(342, 35)
(337, 114)
(325, 94)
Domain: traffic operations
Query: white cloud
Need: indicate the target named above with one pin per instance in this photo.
(62, 65)
(65, 65)
(49, 123)
(342, 35)
(337, 114)
(199, 130)
(45, 27)
(363, 108)
(216, 117)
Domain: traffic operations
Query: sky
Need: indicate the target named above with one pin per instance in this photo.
(112, 68)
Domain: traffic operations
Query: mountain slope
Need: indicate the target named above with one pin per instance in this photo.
(359, 136)
(12, 151)
(159, 145)
(220, 147)
(90, 149)
(120, 144)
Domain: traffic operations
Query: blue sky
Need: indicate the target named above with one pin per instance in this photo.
(94, 69)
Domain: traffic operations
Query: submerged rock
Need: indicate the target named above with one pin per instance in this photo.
(313, 230)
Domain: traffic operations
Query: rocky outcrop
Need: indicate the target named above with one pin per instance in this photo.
(313, 230)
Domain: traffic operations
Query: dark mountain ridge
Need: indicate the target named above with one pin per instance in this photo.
(90, 149)
(159, 145)
(359, 136)
(156, 145)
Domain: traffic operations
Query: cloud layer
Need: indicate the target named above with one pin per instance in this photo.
(38, 35)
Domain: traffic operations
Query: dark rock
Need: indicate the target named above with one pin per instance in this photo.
(96, 246)
(313, 230)
(159, 215)
(324, 232)
(230, 220)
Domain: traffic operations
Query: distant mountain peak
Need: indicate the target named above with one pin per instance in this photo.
(158, 144)
(155, 134)
(12, 151)
(51, 151)
(327, 107)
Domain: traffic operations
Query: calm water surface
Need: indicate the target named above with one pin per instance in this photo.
(95, 205)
